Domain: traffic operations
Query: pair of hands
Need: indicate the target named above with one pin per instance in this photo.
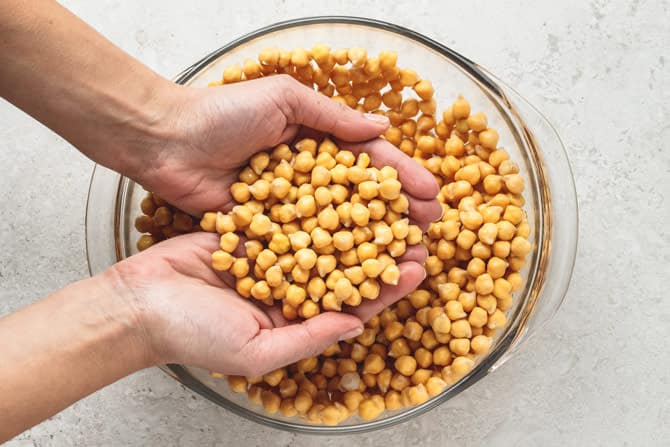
(202, 137)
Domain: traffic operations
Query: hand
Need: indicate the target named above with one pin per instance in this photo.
(189, 315)
(212, 133)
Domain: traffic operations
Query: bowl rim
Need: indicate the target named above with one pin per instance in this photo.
(186, 378)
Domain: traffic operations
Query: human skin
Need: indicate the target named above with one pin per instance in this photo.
(165, 304)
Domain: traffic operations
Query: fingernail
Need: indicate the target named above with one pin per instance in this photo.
(444, 211)
(351, 334)
(381, 119)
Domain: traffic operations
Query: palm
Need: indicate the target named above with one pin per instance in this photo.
(199, 320)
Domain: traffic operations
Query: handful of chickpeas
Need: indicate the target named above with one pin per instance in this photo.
(314, 211)
(323, 228)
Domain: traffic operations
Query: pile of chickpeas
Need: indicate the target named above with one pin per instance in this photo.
(160, 220)
(323, 228)
(430, 339)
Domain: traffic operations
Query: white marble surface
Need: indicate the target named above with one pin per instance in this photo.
(598, 375)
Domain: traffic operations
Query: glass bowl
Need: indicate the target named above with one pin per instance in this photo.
(113, 200)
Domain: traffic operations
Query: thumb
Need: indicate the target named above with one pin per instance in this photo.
(304, 106)
(274, 348)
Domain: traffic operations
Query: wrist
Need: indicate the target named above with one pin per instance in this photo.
(126, 317)
(142, 127)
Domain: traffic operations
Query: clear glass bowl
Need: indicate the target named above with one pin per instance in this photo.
(113, 200)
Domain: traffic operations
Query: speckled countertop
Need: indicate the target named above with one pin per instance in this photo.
(598, 375)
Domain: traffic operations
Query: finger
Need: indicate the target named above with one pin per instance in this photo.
(274, 348)
(414, 253)
(306, 132)
(290, 133)
(190, 254)
(411, 275)
(424, 211)
(416, 180)
(275, 314)
(302, 105)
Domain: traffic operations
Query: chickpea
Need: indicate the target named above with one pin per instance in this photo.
(371, 267)
(182, 222)
(163, 216)
(221, 260)
(146, 240)
(240, 192)
(336, 194)
(442, 356)
(396, 248)
(343, 289)
(207, 223)
(461, 329)
(295, 295)
(424, 357)
(488, 138)
(520, 246)
(393, 330)
(515, 280)
(405, 365)
(523, 230)
(333, 277)
(496, 267)
(320, 237)
(237, 383)
(484, 284)
(399, 347)
(467, 300)
(466, 239)
(487, 303)
(328, 219)
(399, 205)
(461, 108)
(448, 292)
(412, 331)
(371, 409)
(360, 214)
(308, 309)
(244, 285)
(399, 381)
(417, 394)
(239, 267)
(424, 89)
(303, 402)
(407, 146)
(459, 346)
(331, 302)
(373, 364)
(478, 317)
(274, 276)
(325, 264)
(369, 289)
(260, 189)
(496, 320)
(390, 188)
(260, 290)
(391, 275)
(461, 366)
(400, 229)
(355, 299)
(254, 393)
(441, 324)
(279, 292)
(349, 257)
